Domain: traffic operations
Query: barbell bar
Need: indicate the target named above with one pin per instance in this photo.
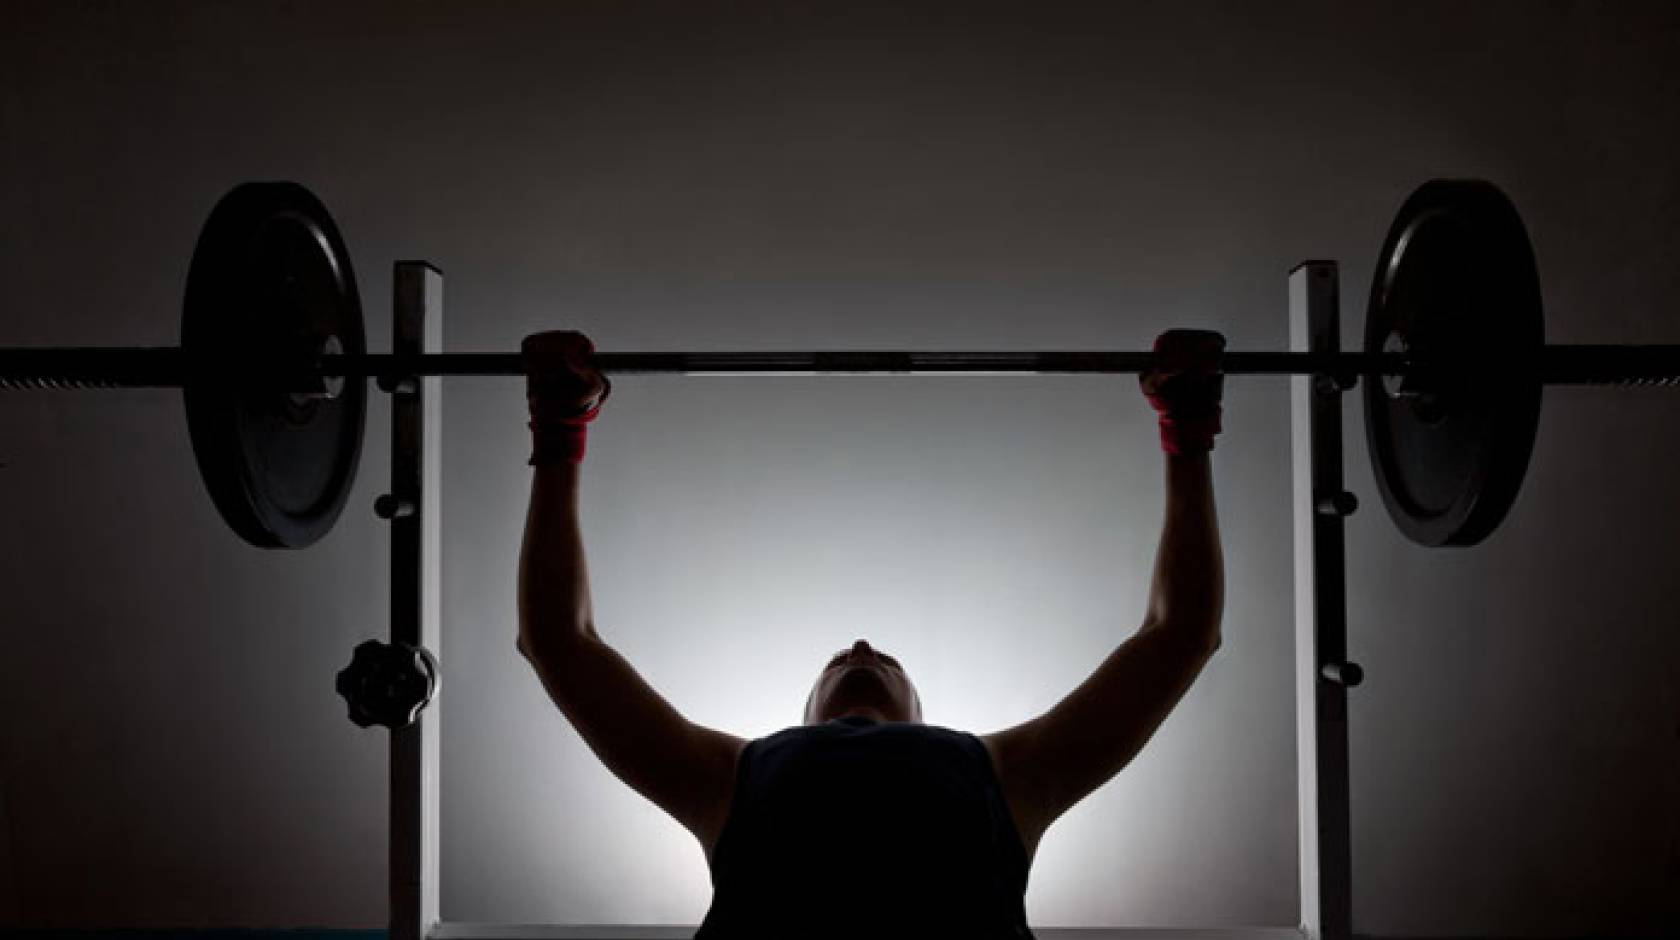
(272, 332)
(171, 367)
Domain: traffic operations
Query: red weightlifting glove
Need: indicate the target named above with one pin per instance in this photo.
(565, 393)
(1184, 385)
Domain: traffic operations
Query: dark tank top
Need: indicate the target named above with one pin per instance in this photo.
(858, 828)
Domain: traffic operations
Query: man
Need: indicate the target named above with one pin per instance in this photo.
(865, 822)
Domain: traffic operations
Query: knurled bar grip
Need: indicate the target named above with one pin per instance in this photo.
(1624, 366)
(91, 368)
(169, 367)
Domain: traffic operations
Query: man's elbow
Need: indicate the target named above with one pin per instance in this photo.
(1209, 640)
(544, 642)
(1201, 632)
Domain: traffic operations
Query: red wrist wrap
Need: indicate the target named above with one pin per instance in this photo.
(561, 439)
(1185, 432)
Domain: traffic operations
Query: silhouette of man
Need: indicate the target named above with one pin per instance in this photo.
(864, 821)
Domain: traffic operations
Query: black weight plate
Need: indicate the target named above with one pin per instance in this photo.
(1457, 281)
(271, 275)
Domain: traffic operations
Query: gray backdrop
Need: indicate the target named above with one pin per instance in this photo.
(748, 176)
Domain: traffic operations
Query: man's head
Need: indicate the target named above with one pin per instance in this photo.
(863, 681)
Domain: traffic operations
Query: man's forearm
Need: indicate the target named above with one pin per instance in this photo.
(553, 578)
(1188, 591)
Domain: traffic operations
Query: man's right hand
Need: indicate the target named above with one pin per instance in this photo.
(560, 381)
(564, 391)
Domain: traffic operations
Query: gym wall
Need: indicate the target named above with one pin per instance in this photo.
(787, 176)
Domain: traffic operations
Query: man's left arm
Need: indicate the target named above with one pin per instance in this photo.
(1048, 764)
(1187, 593)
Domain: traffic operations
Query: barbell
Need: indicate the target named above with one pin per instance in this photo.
(1454, 361)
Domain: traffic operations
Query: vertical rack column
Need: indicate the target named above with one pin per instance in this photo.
(416, 595)
(1321, 676)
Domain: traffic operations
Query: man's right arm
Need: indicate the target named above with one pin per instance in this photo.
(554, 603)
(686, 769)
